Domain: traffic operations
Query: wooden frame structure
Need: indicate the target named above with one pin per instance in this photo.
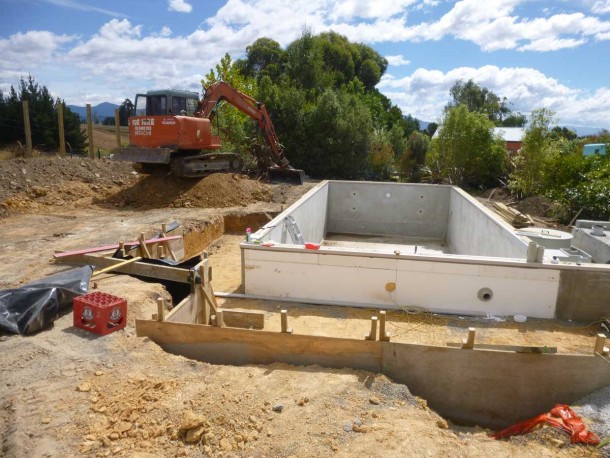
(489, 385)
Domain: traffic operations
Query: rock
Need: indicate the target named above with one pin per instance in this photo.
(374, 400)
(226, 445)
(190, 420)
(24, 171)
(89, 437)
(359, 429)
(301, 403)
(194, 435)
(113, 436)
(45, 421)
(442, 423)
(252, 419)
(238, 438)
(278, 407)
(124, 426)
(83, 387)
(210, 438)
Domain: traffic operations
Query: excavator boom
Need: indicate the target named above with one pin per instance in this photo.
(221, 91)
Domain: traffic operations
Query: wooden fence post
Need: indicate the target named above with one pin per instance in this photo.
(28, 130)
(117, 126)
(90, 132)
(62, 135)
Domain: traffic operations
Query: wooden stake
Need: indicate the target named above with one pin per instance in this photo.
(28, 130)
(90, 131)
(600, 340)
(219, 319)
(116, 266)
(284, 317)
(468, 344)
(382, 334)
(62, 134)
(117, 127)
(167, 246)
(160, 252)
(143, 248)
(373, 334)
(160, 309)
(122, 249)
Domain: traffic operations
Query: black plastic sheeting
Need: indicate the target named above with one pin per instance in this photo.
(36, 305)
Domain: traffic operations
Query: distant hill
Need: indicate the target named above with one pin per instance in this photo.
(103, 110)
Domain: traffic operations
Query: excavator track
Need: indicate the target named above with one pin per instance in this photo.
(197, 166)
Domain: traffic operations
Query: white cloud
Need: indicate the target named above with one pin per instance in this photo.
(164, 59)
(72, 4)
(601, 7)
(425, 93)
(397, 60)
(180, 6)
(23, 52)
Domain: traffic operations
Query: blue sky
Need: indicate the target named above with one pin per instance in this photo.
(536, 53)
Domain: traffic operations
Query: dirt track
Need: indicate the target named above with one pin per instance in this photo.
(65, 392)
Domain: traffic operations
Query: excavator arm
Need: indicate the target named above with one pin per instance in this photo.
(219, 91)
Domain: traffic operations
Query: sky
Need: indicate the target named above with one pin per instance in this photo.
(536, 53)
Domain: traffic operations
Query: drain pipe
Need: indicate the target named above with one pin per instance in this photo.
(535, 252)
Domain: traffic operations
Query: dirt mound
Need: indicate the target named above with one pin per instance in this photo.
(28, 184)
(537, 206)
(219, 190)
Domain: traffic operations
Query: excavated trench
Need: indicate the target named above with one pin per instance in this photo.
(489, 388)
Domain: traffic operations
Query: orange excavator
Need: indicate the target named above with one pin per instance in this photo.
(173, 128)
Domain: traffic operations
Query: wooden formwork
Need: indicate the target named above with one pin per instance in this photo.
(489, 385)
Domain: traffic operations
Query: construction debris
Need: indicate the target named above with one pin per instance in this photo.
(512, 216)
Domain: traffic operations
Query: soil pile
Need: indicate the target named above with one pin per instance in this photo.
(28, 185)
(220, 190)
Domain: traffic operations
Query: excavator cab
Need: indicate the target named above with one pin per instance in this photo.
(166, 102)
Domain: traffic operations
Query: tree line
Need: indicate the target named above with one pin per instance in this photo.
(43, 118)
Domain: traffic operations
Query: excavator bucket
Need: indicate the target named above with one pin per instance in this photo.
(286, 175)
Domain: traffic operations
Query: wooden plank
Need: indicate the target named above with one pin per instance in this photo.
(128, 245)
(510, 348)
(137, 268)
(113, 267)
(241, 346)
(185, 312)
(242, 318)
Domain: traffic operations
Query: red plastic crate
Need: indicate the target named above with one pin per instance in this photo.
(100, 313)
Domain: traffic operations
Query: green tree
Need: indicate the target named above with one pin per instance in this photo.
(466, 152)
(411, 125)
(528, 177)
(235, 129)
(304, 62)
(339, 129)
(43, 117)
(126, 109)
(263, 57)
(480, 99)
(413, 157)
(431, 129)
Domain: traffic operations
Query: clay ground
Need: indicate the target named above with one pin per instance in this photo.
(65, 392)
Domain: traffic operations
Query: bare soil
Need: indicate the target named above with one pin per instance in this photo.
(66, 392)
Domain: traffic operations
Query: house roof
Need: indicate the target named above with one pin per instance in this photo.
(510, 134)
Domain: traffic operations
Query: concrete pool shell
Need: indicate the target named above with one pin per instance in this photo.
(433, 247)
